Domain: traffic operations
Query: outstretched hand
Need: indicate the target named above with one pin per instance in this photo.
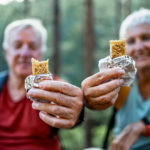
(101, 89)
(64, 105)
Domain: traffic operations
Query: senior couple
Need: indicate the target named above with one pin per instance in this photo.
(27, 125)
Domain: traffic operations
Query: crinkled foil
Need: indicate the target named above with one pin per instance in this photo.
(33, 81)
(125, 62)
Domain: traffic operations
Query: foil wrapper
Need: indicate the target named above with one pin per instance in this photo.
(33, 81)
(124, 62)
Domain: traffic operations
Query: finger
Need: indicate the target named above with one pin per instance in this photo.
(113, 101)
(100, 106)
(56, 122)
(127, 138)
(100, 77)
(57, 98)
(53, 109)
(104, 101)
(114, 148)
(125, 133)
(103, 88)
(115, 145)
(62, 87)
(123, 145)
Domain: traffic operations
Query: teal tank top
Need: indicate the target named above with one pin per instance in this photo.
(133, 110)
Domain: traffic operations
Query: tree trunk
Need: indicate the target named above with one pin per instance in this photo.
(117, 18)
(89, 39)
(26, 8)
(88, 60)
(126, 8)
(88, 132)
(122, 9)
(56, 38)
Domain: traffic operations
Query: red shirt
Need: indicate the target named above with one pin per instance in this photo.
(21, 128)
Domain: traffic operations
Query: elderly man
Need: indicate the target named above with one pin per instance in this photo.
(22, 127)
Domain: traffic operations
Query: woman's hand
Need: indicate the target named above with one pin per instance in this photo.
(128, 136)
(101, 89)
(65, 102)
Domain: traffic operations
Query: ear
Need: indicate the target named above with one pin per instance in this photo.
(6, 53)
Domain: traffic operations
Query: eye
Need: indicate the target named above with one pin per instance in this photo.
(130, 41)
(17, 45)
(33, 46)
(146, 37)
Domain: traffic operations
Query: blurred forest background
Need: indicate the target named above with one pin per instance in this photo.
(78, 36)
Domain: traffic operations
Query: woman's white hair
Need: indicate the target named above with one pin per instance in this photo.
(35, 24)
(142, 16)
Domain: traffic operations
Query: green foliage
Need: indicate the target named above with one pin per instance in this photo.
(75, 136)
(72, 17)
(98, 135)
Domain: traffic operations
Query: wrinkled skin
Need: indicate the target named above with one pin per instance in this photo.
(101, 95)
(64, 103)
(101, 89)
(23, 45)
(138, 47)
(128, 136)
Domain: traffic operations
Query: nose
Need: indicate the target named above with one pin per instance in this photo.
(139, 45)
(25, 50)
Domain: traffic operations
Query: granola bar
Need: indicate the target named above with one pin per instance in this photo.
(39, 67)
(117, 48)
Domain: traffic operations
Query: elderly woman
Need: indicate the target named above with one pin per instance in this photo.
(132, 122)
(22, 127)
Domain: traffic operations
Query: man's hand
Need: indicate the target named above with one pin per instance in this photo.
(64, 105)
(101, 89)
(128, 137)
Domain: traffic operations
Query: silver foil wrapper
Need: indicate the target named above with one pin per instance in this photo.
(124, 62)
(33, 81)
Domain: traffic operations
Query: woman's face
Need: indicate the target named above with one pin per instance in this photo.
(138, 45)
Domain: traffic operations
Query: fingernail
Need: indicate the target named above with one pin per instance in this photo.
(114, 99)
(31, 93)
(42, 114)
(121, 81)
(35, 105)
(118, 89)
(41, 85)
(36, 85)
(120, 71)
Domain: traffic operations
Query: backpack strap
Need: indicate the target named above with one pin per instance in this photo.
(3, 77)
(122, 96)
(109, 128)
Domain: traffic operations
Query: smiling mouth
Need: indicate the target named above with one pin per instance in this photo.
(141, 57)
(25, 63)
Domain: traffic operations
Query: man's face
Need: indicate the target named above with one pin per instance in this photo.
(138, 45)
(23, 45)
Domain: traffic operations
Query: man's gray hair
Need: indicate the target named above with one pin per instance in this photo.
(35, 24)
(142, 16)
